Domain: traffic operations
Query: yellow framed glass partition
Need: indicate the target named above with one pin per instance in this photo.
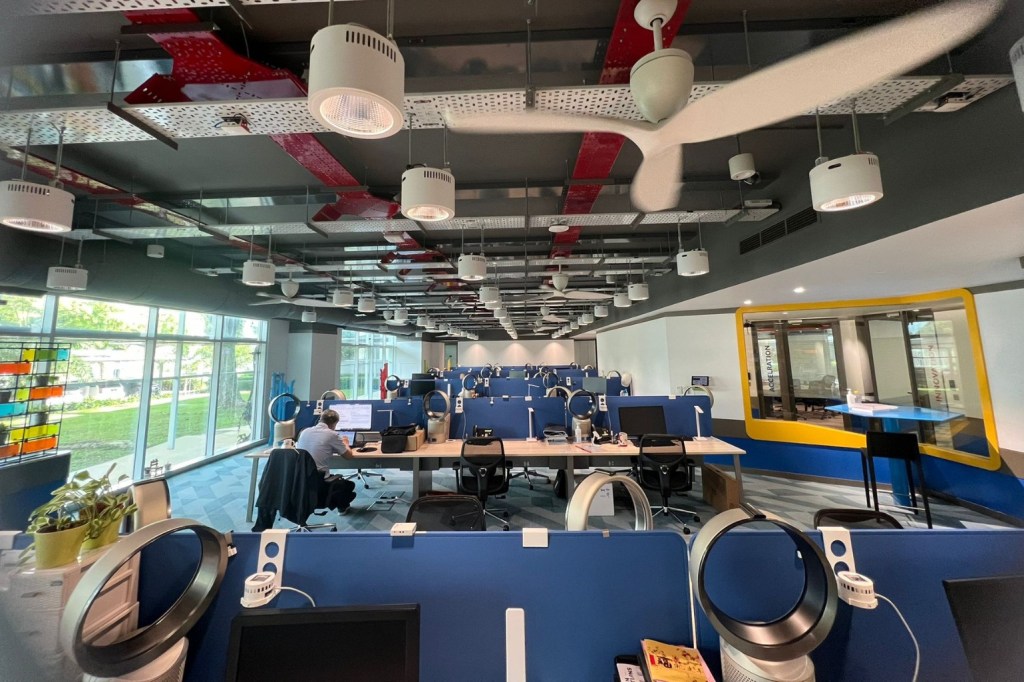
(804, 362)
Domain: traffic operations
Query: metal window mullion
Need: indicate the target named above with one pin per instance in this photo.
(211, 415)
(142, 425)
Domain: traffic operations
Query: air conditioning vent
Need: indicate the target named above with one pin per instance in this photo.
(770, 234)
(795, 222)
(750, 243)
(800, 220)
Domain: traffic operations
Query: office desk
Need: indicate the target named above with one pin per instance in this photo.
(432, 456)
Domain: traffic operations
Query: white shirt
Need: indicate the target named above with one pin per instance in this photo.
(321, 441)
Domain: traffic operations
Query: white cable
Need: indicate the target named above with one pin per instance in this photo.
(917, 649)
(313, 603)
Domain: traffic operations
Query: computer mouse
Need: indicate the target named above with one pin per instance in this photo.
(366, 449)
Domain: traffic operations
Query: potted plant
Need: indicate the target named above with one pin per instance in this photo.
(103, 509)
(57, 529)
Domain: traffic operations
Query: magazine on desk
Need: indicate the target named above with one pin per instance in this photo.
(669, 663)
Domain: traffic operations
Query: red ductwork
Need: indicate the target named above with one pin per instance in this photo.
(206, 69)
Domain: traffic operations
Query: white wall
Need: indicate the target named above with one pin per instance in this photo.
(314, 362)
(640, 349)
(1001, 320)
(707, 344)
(544, 352)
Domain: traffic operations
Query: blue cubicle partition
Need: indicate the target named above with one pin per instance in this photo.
(589, 597)
(680, 417)
(580, 608)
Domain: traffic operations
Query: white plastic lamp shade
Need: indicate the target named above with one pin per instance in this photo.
(367, 304)
(34, 207)
(637, 291)
(431, 324)
(621, 300)
(421, 320)
(514, 335)
(488, 294)
(443, 326)
(472, 267)
(428, 194)
(289, 288)
(401, 315)
(258, 273)
(560, 280)
(63, 278)
(660, 83)
(157, 251)
(492, 305)
(309, 316)
(1017, 61)
(574, 325)
(545, 310)
(356, 82)
(580, 322)
(692, 263)
(343, 298)
(587, 318)
(388, 315)
(600, 311)
(558, 227)
(501, 313)
(846, 183)
(741, 167)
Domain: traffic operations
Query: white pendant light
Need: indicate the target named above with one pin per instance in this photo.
(63, 278)
(443, 327)
(356, 81)
(488, 294)
(621, 300)
(741, 167)
(472, 267)
(367, 304)
(34, 207)
(388, 315)
(258, 273)
(638, 291)
(155, 251)
(587, 318)
(545, 310)
(692, 263)
(309, 316)
(343, 298)
(574, 324)
(421, 320)
(428, 194)
(846, 183)
(402, 315)
(289, 287)
(600, 310)
(492, 305)
(501, 313)
(431, 324)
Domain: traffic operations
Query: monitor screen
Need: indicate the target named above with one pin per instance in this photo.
(422, 375)
(353, 416)
(352, 643)
(700, 380)
(989, 614)
(421, 386)
(638, 421)
(595, 384)
(517, 374)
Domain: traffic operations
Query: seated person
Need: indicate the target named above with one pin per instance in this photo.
(322, 441)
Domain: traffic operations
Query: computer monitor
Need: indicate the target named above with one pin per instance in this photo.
(517, 374)
(421, 386)
(422, 375)
(353, 416)
(597, 385)
(989, 615)
(639, 421)
(352, 643)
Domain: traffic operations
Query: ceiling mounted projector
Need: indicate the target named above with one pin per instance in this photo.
(488, 294)
(309, 316)
(289, 288)
(741, 167)
(63, 278)
(692, 263)
(34, 207)
(356, 82)
(472, 267)
(846, 183)
(258, 273)
(155, 251)
(621, 300)
(367, 304)
(343, 298)
(600, 311)
(428, 194)
(638, 291)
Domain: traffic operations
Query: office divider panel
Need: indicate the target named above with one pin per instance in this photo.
(680, 417)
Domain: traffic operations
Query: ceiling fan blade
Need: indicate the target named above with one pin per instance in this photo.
(577, 295)
(534, 121)
(831, 72)
(658, 181)
(267, 303)
(310, 302)
(555, 319)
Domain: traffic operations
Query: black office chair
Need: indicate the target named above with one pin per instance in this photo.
(447, 512)
(527, 473)
(854, 518)
(293, 487)
(899, 446)
(664, 467)
(362, 476)
(482, 471)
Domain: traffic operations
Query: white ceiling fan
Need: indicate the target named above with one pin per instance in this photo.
(298, 300)
(661, 81)
(559, 289)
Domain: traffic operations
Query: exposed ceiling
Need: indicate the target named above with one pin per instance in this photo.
(332, 221)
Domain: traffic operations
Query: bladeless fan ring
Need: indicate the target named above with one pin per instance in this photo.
(273, 403)
(432, 413)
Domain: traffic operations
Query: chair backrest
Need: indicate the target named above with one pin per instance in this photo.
(447, 512)
(153, 499)
(854, 518)
(663, 455)
(484, 458)
(893, 445)
(483, 451)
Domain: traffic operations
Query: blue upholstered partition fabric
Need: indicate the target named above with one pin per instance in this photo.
(680, 417)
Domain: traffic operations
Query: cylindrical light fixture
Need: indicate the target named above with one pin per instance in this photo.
(401, 315)
(421, 320)
(367, 304)
(63, 278)
(741, 167)
(388, 315)
(155, 251)
(638, 291)
(472, 267)
(587, 318)
(443, 326)
(343, 298)
(492, 305)
(501, 313)
(258, 273)
(692, 263)
(431, 324)
(621, 300)
(428, 194)
(35, 207)
(846, 183)
(600, 310)
(356, 82)
(574, 324)
(488, 294)
(309, 316)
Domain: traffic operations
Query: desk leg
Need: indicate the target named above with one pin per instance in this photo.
(252, 489)
(570, 478)
(422, 480)
(739, 474)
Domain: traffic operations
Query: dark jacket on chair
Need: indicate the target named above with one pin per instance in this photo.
(293, 487)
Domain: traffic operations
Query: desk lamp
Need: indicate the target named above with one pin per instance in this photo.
(391, 414)
(529, 419)
(699, 412)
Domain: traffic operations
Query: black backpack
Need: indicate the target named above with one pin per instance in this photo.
(394, 438)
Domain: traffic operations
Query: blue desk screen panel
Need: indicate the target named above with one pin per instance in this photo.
(680, 417)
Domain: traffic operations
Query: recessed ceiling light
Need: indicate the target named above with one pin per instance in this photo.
(799, 290)
(747, 302)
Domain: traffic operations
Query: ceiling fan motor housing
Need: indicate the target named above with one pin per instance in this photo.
(661, 82)
(560, 280)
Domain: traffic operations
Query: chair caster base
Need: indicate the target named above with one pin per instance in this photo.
(696, 519)
(505, 527)
(366, 485)
(686, 531)
(383, 479)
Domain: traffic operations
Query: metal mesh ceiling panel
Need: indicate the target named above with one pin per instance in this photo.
(713, 216)
(510, 222)
(77, 6)
(583, 219)
(364, 226)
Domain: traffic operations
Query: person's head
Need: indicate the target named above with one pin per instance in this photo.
(329, 417)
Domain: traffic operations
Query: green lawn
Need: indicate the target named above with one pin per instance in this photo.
(103, 434)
